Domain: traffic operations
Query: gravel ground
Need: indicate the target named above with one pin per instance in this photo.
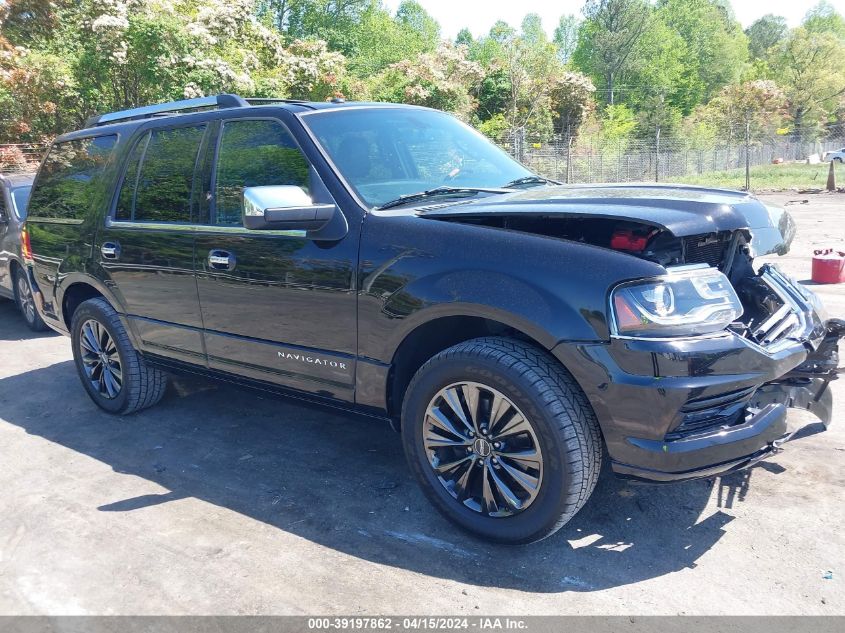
(219, 502)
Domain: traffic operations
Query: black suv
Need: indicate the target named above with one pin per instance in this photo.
(389, 260)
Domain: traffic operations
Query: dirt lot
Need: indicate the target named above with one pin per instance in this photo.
(218, 502)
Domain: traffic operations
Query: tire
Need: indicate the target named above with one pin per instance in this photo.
(562, 427)
(139, 386)
(26, 304)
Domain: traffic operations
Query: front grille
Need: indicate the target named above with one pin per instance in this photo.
(704, 415)
(706, 249)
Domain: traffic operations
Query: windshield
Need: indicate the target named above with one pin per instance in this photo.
(384, 153)
(20, 197)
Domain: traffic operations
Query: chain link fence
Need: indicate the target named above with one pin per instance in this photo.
(592, 160)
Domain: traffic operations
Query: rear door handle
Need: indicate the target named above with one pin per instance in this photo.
(110, 250)
(221, 260)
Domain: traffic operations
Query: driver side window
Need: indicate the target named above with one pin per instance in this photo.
(254, 153)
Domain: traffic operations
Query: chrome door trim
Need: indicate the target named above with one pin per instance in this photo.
(199, 229)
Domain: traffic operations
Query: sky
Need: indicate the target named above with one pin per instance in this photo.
(480, 15)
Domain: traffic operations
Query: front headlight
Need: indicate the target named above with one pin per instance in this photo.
(685, 302)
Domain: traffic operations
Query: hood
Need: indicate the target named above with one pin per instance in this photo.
(680, 209)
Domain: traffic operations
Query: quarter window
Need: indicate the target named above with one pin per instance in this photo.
(254, 153)
(159, 178)
(68, 181)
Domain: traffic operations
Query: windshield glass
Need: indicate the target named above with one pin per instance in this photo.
(20, 197)
(384, 153)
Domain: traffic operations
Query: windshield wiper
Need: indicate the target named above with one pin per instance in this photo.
(530, 180)
(443, 191)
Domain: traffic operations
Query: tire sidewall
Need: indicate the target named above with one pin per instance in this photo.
(88, 311)
(544, 512)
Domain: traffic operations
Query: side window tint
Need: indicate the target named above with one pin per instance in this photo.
(20, 198)
(3, 215)
(254, 153)
(126, 198)
(69, 178)
(166, 176)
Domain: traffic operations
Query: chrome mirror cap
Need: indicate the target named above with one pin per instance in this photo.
(257, 200)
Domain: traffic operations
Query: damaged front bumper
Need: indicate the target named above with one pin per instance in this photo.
(677, 409)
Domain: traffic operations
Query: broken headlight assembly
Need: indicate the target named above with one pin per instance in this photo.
(688, 301)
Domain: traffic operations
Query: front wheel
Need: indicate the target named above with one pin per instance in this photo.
(113, 373)
(502, 439)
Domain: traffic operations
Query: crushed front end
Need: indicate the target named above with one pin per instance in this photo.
(684, 407)
(701, 364)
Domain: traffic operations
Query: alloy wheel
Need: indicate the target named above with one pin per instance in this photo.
(483, 450)
(100, 359)
(27, 304)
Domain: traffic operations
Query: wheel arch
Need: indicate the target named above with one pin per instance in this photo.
(430, 337)
(76, 288)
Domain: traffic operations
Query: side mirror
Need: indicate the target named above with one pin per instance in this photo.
(284, 208)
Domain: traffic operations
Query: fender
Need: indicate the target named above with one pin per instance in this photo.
(517, 303)
(65, 281)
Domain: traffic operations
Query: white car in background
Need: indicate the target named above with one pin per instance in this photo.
(837, 155)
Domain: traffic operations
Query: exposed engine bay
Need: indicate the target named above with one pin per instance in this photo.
(766, 318)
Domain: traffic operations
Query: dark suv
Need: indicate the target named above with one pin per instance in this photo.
(389, 260)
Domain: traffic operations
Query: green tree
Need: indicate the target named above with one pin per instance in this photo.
(809, 70)
(714, 51)
(417, 24)
(336, 22)
(755, 105)
(379, 39)
(566, 36)
(608, 39)
(823, 18)
(618, 123)
(464, 37)
(764, 33)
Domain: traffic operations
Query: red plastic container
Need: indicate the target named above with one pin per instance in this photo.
(828, 267)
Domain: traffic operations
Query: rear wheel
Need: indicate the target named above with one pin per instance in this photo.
(115, 376)
(502, 439)
(26, 303)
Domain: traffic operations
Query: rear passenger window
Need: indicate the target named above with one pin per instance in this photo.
(126, 199)
(254, 153)
(68, 181)
(159, 177)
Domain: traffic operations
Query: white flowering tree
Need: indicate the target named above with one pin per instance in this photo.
(102, 55)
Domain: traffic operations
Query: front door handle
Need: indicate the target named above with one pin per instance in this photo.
(110, 250)
(221, 260)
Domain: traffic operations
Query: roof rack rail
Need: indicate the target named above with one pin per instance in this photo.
(267, 100)
(218, 101)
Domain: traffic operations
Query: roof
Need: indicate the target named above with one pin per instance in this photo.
(18, 179)
(217, 102)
